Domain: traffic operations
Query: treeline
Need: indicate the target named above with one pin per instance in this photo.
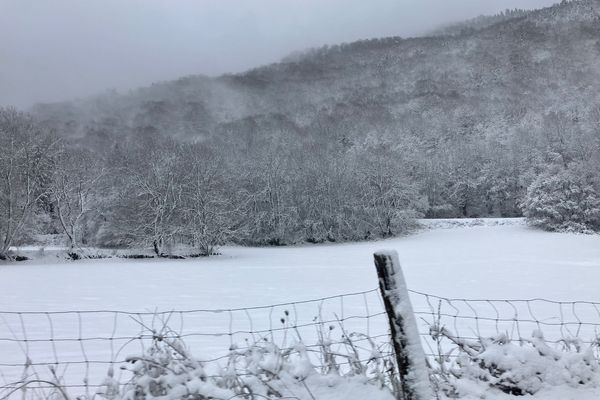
(155, 192)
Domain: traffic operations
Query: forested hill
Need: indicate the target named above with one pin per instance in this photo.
(531, 54)
(458, 124)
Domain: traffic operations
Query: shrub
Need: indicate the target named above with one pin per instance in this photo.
(517, 368)
(563, 201)
(262, 370)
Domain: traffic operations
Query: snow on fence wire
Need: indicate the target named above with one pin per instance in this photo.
(348, 333)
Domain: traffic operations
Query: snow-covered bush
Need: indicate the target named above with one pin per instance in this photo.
(514, 367)
(261, 370)
(563, 201)
(343, 369)
(166, 371)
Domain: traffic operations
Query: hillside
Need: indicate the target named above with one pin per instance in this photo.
(353, 141)
(525, 58)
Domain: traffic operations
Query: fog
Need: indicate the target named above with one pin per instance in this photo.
(61, 49)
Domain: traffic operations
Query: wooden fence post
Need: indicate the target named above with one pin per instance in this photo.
(410, 358)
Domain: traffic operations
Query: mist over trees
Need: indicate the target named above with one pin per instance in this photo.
(497, 117)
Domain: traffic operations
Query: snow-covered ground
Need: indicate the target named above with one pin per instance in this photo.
(488, 259)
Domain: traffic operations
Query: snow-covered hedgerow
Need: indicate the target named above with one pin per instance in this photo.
(526, 367)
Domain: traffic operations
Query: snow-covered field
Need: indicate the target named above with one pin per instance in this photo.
(491, 260)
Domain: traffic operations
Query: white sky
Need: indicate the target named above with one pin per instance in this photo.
(52, 50)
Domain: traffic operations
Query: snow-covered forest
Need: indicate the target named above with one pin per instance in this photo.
(495, 117)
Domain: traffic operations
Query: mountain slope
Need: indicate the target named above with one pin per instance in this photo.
(525, 56)
(459, 124)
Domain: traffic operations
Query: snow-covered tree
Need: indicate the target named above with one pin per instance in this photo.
(563, 200)
(75, 191)
(25, 164)
(213, 215)
(151, 203)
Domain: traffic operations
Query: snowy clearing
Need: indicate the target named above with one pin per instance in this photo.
(490, 260)
(503, 261)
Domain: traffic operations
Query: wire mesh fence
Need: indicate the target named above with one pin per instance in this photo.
(517, 320)
(79, 349)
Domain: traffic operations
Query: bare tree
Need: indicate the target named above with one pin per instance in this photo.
(152, 197)
(25, 164)
(74, 191)
(389, 198)
(213, 214)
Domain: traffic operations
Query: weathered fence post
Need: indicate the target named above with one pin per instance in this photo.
(412, 370)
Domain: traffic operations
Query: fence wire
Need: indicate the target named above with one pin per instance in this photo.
(79, 349)
(516, 320)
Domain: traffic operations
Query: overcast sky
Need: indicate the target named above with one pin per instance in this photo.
(52, 50)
